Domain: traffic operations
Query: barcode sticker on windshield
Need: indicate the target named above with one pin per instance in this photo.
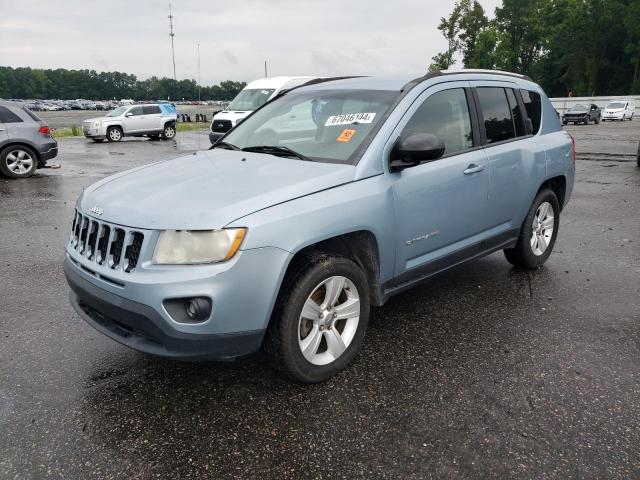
(349, 119)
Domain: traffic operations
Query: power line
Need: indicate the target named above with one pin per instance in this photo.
(171, 34)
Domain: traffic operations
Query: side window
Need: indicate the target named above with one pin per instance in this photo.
(446, 115)
(135, 111)
(533, 105)
(516, 114)
(150, 109)
(496, 114)
(7, 116)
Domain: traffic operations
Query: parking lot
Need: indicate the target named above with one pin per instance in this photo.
(485, 371)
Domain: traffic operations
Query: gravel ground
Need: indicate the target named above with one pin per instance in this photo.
(484, 372)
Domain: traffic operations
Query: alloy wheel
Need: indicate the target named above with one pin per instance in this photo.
(19, 162)
(329, 320)
(542, 228)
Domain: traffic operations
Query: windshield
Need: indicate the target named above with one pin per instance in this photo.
(323, 125)
(250, 100)
(578, 108)
(616, 105)
(117, 112)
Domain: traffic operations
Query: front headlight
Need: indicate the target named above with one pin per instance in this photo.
(185, 247)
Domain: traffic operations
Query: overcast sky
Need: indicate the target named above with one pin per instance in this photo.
(295, 37)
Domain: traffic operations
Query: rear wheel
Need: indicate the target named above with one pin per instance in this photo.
(114, 134)
(538, 232)
(320, 318)
(169, 131)
(18, 162)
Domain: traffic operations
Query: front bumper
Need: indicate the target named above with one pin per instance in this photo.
(133, 312)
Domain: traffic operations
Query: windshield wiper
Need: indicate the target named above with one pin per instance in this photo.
(225, 145)
(278, 150)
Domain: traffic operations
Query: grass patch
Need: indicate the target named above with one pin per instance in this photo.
(65, 132)
(75, 131)
(188, 127)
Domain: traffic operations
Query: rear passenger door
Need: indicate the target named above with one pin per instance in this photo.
(515, 159)
(152, 118)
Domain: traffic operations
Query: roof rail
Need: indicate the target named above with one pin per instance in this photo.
(315, 81)
(456, 71)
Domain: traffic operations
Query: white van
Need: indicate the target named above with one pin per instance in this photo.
(252, 97)
(619, 110)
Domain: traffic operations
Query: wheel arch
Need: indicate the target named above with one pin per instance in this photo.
(361, 246)
(558, 185)
(21, 143)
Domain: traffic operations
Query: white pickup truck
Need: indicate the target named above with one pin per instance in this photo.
(154, 120)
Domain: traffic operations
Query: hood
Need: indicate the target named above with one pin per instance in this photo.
(577, 112)
(232, 115)
(208, 189)
(99, 119)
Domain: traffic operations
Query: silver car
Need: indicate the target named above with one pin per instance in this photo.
(25, 141)
(152, 120)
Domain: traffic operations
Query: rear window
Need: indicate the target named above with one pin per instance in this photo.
(533, 105)
(150, 109)
(31, 114)
(7, 116)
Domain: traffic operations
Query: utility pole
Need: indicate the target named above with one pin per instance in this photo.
(265, 69)
(171, 34)
(199, 73)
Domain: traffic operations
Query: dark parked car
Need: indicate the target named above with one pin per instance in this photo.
(582, 114)
(25, 141)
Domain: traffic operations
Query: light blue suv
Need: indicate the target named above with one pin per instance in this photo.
(329, 199)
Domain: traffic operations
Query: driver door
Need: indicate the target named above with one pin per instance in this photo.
(440, 205)
(135, 120)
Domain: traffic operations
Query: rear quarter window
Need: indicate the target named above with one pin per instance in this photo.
(32, 115)
(7, 116)
(533, 105)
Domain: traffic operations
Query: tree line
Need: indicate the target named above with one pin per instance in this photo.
(587, 47)
(63, 84)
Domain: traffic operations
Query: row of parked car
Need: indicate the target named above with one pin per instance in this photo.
(619, 110)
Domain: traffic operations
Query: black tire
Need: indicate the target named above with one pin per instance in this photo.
(154, 137)
(169, 131)
(11, 163)
(564, 123)
(586, 121)
(114, 134)
(597, 120)
(98, 140)
(282, 342)
(522, 254)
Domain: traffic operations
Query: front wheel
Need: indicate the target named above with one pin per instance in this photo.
(169, 131)
(538, 232)
(320, 318)
(597, 120)
(114, 134)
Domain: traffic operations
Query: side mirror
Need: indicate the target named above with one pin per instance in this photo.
(129, 114)
(529, 126)
(414, 150)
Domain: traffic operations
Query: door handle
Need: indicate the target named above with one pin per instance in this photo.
(473, 168)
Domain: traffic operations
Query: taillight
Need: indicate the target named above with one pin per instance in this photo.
(573, 149)
(44, 130)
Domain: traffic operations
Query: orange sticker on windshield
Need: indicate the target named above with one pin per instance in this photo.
(346, 135)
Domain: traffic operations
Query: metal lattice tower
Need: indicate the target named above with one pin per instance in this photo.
(171, 34)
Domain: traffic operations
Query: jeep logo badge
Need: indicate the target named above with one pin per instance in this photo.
(97, 210)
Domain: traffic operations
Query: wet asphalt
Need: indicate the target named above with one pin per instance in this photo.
(484, 372)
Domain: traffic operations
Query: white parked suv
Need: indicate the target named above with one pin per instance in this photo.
(154, 120)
